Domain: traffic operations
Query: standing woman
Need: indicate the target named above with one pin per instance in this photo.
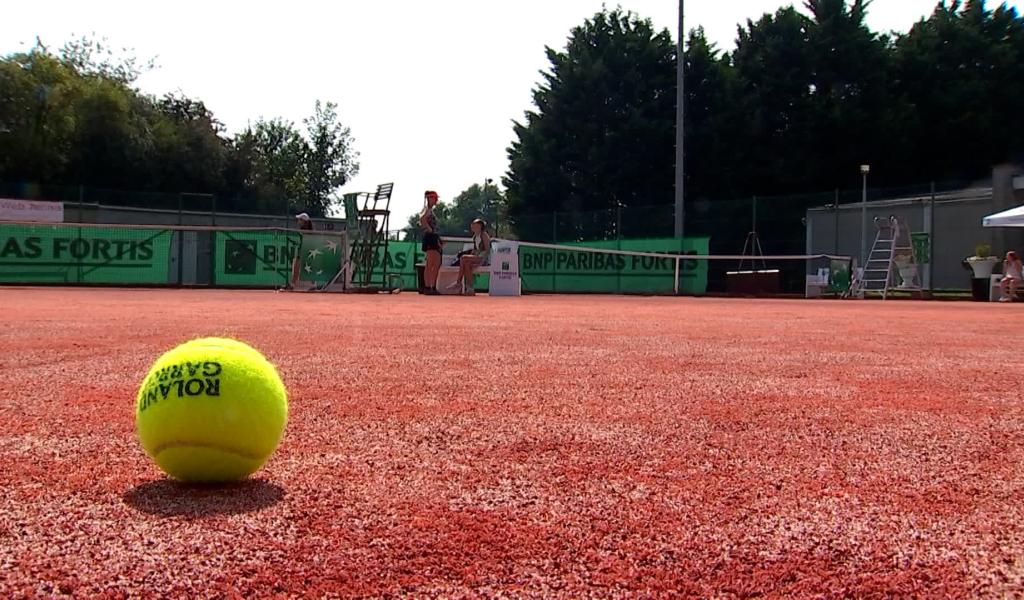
(432, 244)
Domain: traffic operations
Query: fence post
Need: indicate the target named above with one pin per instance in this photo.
(753, 216)
(931, 240)
(618, 221)
(181, 241)
(835, 225)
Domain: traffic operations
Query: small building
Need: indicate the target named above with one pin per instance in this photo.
(947, 226)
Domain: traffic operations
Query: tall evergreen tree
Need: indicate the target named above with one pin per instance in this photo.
(603, 124)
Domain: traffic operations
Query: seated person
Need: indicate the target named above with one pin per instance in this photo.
(1011, 276)
(471, 259)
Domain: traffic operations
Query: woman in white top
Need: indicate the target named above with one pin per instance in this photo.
(473, 258)
(1011, 276)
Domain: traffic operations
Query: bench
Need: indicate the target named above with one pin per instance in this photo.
(449, 273)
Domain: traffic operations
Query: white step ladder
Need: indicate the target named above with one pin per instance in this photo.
(891, 264)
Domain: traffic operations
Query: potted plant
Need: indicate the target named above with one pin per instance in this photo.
(982, 263)
(907, 268)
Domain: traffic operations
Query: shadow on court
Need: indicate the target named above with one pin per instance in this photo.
(169, 498)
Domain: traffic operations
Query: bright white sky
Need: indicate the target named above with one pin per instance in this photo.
(429, 89)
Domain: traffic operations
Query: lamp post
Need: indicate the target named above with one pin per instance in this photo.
(680, 113)
(864, 170)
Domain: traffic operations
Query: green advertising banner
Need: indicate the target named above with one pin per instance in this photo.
(561, 271)
(320, 257)
(401, 259)
(839, 276)
(254, 258)
(74, 254)
(922, 247)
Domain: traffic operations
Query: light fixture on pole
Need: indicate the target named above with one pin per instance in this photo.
(864, 170)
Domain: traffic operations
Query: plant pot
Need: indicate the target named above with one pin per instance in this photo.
(982, 267)
(979, 289)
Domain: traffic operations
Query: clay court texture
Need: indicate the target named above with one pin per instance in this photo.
(544, 446)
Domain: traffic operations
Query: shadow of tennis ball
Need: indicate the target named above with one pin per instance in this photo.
(169, 498)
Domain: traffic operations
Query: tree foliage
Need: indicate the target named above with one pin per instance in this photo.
(604, 122)
(806, 97)
(485, 202)
(74, 117)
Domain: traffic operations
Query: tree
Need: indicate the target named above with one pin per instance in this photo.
(476, 202)
(855, 116)
(962, 72)
(602, 134)
(270, 166)
(189, 150)
(774, 66)
(37, 97)
(714, 122)
(74, 118)
(331, 160)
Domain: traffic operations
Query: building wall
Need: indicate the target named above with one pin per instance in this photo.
(954, 221)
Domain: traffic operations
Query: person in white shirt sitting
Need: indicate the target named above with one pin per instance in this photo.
(471, 259)
(1011, 276)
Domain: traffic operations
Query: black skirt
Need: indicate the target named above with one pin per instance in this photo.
(431, 241)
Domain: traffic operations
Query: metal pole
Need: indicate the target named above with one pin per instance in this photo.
(618, 222)
(753, 218)
(931, 242)
(680, 129)
(181, 241)
(835, 226)
(864, 220)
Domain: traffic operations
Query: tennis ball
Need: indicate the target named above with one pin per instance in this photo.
(211, 410)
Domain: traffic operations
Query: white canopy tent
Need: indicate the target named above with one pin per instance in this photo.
(1010, 218)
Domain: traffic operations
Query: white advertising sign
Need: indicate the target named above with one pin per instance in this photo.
(505, 279)
(31, 211)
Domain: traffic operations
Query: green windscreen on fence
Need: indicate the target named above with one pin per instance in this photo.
(254, 258)
(565, 270)
(401, 260)
(264, 258)
(84, 255)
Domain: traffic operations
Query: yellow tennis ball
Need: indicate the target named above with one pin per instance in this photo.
(212, 409)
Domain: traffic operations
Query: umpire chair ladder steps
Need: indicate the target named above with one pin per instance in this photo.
(367, 227)
(892, 239)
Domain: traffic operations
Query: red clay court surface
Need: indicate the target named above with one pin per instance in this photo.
(535, 447)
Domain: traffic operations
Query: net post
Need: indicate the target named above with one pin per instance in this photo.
(675, 281)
